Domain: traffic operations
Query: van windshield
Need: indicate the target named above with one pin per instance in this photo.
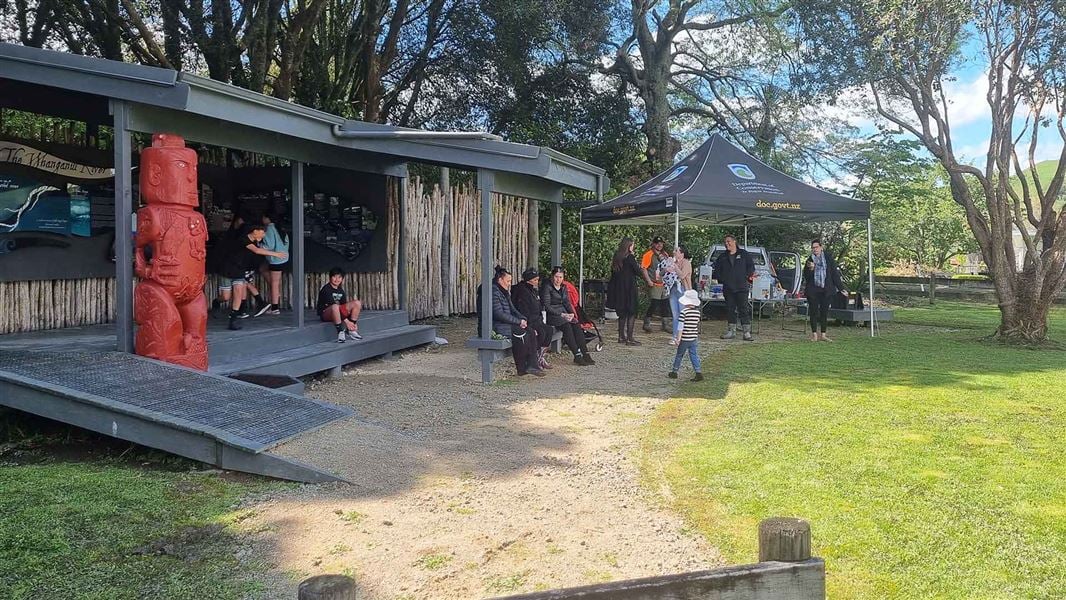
(756, 257)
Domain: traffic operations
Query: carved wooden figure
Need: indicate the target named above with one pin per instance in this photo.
(169, 303)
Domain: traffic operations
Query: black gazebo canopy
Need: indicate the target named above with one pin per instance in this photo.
(720, 184)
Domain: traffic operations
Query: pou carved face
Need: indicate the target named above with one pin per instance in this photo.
(168, 172)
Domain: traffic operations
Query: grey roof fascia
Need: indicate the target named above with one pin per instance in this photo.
(108, 78)
(230, 103)
(165, 88)
(254, 138)
(524, 159)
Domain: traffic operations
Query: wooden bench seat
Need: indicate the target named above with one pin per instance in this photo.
(490, 351)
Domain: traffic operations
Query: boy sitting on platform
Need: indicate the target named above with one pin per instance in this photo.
(334, 307)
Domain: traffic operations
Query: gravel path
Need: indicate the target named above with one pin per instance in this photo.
(463, 490)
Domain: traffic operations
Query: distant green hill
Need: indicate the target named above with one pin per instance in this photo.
(1045, 170)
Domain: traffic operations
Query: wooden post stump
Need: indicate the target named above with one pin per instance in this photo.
(327, 587)
(784, 539)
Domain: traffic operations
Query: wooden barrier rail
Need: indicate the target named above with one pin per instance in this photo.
(786, 571)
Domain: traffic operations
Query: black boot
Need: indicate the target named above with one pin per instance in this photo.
(234, 324)
(629, 332)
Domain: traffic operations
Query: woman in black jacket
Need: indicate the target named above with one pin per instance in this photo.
(555, 302)
(508, 322)
(622, 290)
(821, 279)
(527, 301)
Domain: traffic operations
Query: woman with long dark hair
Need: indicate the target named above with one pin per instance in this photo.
(678, 280)
(555, 302)
(622, 290)
(822, 282)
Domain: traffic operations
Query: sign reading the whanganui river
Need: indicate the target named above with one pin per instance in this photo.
(11, 152)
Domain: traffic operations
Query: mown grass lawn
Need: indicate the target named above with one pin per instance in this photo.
(964, 315)
(105, 529)
(930, 464)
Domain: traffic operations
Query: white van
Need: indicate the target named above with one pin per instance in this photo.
(777, 275)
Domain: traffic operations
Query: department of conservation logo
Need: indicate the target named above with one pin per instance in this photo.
(677, 173)
(742, 171)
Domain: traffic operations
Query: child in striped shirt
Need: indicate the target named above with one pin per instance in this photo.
(687, 335)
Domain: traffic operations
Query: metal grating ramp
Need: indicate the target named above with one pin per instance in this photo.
(242, 415)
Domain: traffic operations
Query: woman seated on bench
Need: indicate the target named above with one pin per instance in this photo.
(555, 301)
(508, 322)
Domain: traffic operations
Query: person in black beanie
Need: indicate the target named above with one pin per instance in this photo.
(527, 300)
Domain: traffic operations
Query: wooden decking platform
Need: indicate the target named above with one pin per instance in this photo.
(75, 376)
(266, 345)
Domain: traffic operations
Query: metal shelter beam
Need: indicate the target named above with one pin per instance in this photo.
(298, 284)
(123, 228)
(401, 249)
(557, 234)
(485, 180)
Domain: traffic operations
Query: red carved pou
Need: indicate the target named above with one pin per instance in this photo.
(169, 303)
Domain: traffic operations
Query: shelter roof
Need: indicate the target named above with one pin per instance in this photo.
(161, 96)
(719, 183)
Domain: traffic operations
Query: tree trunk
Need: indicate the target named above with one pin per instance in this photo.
(1025, 319)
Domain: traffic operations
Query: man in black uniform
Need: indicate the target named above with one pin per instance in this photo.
(735, 270)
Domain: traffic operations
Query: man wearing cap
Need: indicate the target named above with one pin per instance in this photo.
(658, 298)
(527, 300)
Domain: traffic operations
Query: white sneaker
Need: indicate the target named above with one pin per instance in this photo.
(340, 337)
(354, 335)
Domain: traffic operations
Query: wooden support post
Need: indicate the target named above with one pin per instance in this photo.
(327, 587)
(784, 539)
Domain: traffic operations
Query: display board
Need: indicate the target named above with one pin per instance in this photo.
(57, 216)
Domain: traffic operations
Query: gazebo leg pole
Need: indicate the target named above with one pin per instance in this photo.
(870, 259)
(745, 236)
(677, 229)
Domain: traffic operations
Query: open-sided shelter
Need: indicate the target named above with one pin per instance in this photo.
(66, 204)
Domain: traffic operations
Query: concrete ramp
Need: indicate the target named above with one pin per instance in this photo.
(205, 417)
